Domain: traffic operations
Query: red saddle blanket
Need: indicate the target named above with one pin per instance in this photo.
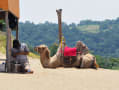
(70, 51)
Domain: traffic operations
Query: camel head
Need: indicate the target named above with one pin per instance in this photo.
(42, 49)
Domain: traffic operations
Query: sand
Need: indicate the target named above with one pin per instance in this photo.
(60, 79)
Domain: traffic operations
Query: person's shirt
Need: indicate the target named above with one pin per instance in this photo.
(20, 58)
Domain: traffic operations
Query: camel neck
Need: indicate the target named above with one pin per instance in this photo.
(44, 60)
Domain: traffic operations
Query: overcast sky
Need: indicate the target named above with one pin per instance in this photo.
(39, 11)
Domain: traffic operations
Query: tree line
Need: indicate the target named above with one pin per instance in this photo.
(103, 43)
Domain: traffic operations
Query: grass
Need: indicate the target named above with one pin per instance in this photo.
(115, 68)
(89, 28)
(33, 55)
(2, 42)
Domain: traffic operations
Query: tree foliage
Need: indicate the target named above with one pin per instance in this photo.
(103, 43)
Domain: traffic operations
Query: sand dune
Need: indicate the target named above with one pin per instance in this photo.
(60, 79)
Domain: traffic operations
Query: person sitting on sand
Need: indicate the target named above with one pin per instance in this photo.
(19, 52)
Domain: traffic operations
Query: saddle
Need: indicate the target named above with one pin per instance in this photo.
(69, 56)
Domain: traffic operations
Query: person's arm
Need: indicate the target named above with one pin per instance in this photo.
(21, 53)
(25, 52)
(13, 52)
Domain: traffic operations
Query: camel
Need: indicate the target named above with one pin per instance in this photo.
(85, 61)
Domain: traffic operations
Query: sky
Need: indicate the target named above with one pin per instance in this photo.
(39, 11)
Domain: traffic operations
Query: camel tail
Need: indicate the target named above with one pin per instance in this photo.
(95, 65)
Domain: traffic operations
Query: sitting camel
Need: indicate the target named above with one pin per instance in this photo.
(86, 60)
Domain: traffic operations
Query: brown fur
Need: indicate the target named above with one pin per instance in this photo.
(46, 60)
(88, 60)
(95, 64)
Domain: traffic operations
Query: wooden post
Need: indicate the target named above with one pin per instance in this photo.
(17, 33)
(8, 42)
(59, 14)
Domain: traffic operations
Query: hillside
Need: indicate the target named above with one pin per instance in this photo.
(89, 28)
(100, 36)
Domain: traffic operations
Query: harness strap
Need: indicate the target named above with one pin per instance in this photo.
(80, 61)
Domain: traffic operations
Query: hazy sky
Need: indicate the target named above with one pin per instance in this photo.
(39, 11)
